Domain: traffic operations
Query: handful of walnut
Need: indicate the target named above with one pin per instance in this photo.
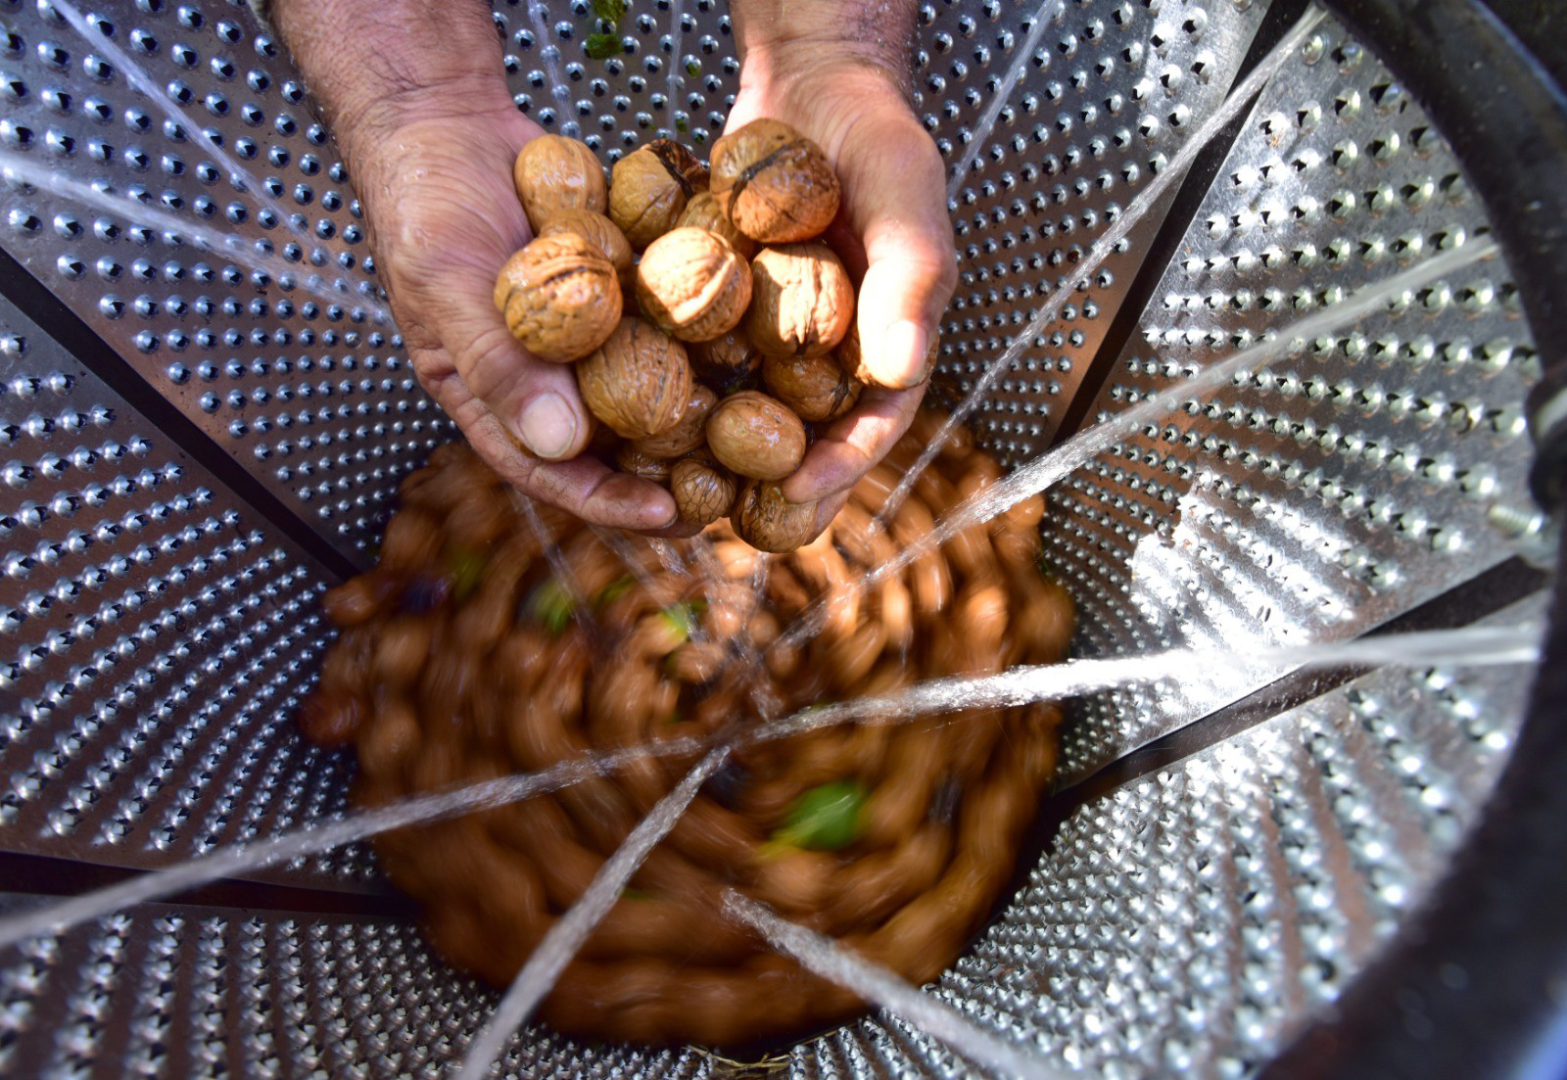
(670, 351)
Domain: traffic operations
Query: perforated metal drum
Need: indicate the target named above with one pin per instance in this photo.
(206, 409)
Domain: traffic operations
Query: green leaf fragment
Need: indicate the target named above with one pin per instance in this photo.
(551, 605)
(680, 124)
(630, 893)
(683, 617)
(614, 591)
(611, 11)
(693, 67)
(603, 46)
(466, 570)
(825, 818)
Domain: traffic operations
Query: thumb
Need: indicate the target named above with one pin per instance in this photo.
(896, 197)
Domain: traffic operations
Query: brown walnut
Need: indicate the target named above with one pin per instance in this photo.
(801, 302)
(638, 382)
(693, 284)
(704, 212)
(774, 183)
(560, 296)
(689, 434)
(599, 231)
(727, 361)
(853, 362)
(815, 387)
(756, 436)
(635, 462)
(554, 173)
(704, 490)
(769, 522)
(649, 189)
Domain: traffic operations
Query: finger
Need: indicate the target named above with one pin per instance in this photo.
(826, 510)
(585, 487)
(854, 444)
(895, 193)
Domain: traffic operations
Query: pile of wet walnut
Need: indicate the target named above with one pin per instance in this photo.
(743, 334)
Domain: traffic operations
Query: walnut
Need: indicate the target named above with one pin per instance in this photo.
(726, 362)
(704, 212)
(686, 436)
(769, 522)
(774, 183)
(560, 297)
(649, 189)
(693, 284)
(704, 490)
(756, 436)
(853, 362)
(635, 462)
(599, 231)
(815, 387)
(638, 382)
(554, 173)
(802, 301)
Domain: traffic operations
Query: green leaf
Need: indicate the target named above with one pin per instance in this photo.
(682, 617)
(693, 68)
(604, 46)
(825, 818)
(680, 124)
(629, 893)
(699, 136)
(611, 11)
(614, 591)
(466, 569)
(551, 605)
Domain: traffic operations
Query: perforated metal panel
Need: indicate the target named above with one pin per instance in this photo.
(156, 631)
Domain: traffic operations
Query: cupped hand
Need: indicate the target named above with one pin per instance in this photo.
(892, 231)
(444, 217)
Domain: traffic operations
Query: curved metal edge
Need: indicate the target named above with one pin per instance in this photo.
(1492, 75)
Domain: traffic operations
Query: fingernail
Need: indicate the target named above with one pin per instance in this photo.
(548, 426)
(903, 353)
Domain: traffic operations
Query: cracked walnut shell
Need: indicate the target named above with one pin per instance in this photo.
(801, 300)
(769, 522)
(638, 382)
(693, 284)
(649, 189)
(554, 173)
(774, 183)
(560, 297)
(756, 436)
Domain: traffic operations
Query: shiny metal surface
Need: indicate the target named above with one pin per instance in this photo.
(154, 631)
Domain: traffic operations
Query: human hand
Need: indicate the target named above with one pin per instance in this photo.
(836, 70)
(427, 127)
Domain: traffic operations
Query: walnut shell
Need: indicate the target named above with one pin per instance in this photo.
(802, 301)
(693, 284)
(635, 462)
(649, 189)
(815, 387)
(704, 490)
(852, 361)
(599, 231)
(638, 382)
(727, 360)
(704, 212)
(554, 173)
(687, 435)
(756, 436)
(769, 522)
(774, 183)
(560, 296)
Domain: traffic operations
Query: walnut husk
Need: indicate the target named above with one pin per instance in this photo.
(801, 300)
(769, 522)
(774, 183)
(554, 173)
(560, 296)
(704, 490)
(704, 212)
(599, 231)
(756, 436)
(687, 435)
(693, 284)
(815, 387)
(649, 189)
(638, 382)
